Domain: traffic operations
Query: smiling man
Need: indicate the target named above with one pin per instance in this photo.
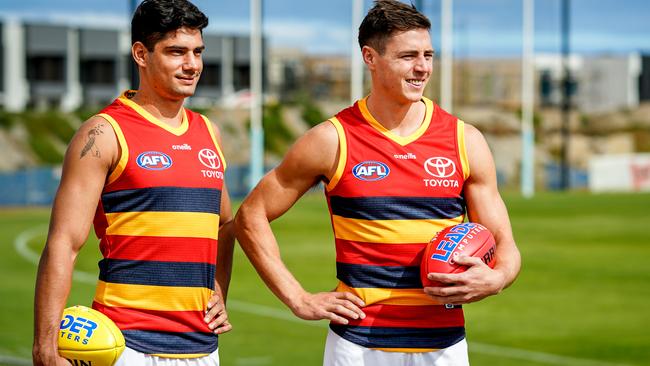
(138, 169)
(396, 169)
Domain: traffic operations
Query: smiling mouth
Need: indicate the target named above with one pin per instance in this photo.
(415, 82)
(187, 79)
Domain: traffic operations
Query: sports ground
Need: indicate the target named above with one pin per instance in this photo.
(581, 299)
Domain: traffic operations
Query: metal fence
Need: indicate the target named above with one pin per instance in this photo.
(37, 186)
(30, 187)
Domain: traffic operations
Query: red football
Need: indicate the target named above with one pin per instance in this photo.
(468, 238)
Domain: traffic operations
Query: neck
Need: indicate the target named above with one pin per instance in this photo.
(166, 110)
(401, 118)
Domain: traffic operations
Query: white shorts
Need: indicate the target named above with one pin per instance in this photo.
(341, 352)
(131, 357)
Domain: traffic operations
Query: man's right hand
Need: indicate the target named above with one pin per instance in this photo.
(335, 306)
(42, 358)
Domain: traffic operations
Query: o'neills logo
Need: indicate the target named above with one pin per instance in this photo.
(182, 147)
(440, 169)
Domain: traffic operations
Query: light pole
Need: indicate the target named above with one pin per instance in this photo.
(256, 129)
(135, 80)
(356, 62)
(446, 62)
(527, 101)
(566, 93)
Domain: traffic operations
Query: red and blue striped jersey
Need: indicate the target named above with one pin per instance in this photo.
(158, 223)
(388, 197)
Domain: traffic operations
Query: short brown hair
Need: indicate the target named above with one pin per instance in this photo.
(154, 19)
(387, 17)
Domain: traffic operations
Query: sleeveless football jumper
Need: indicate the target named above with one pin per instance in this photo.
(388, 197)
(158, 223)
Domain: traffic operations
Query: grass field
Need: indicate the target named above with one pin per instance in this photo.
(581, 299)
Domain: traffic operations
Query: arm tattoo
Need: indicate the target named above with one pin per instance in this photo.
(90, 141)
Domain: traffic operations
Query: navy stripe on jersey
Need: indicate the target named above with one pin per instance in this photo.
(384, 337)
(152, 342)
(179, 274)
(364, 276)
(397, 208)
(168, 199)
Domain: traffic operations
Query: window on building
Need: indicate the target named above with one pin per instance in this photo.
(2, 74)
(644, 79)
(2, 66)
(211, 76)
(46, 68)
(242, 77)
(100, 72)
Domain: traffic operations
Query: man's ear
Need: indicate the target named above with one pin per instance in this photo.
(139, 53)
(369, 55)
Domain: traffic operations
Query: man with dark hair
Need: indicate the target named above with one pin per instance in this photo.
(153, 21)
(396, 169)
(150, 174)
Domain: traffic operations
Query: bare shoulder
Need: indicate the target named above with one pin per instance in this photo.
(478, 153)
(473, 135)
(95, 139)
(214, 125)
(324, 133)
(321, 141)
(215, 128)
(315, 153)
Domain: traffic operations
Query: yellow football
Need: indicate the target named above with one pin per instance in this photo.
(89, 338)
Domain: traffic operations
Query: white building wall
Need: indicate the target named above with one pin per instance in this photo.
(609, 83)
(16, 93)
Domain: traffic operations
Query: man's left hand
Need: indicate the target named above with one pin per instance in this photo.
(216, 316)
(478, 282)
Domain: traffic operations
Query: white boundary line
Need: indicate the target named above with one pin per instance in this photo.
(14, 361)
(21, 246)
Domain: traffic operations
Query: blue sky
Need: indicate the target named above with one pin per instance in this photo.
(484, 28)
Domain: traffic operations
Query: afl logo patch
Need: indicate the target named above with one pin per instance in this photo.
(370, 171)
(154, 160)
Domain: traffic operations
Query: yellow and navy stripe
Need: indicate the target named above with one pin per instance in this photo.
(155, 273)
(163, 199)
(174, 344)
(393, 277)
(397, 208)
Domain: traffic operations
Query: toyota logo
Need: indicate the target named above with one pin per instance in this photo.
(440, 167)
(209, 158)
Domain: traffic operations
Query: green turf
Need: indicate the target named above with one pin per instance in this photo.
(582, 293)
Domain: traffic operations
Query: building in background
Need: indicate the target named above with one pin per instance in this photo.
(644, 79)
(58, 65)
(610, 83)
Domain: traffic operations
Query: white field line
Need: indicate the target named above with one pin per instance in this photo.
(17, 361)
(21, 241)
(21, 245)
